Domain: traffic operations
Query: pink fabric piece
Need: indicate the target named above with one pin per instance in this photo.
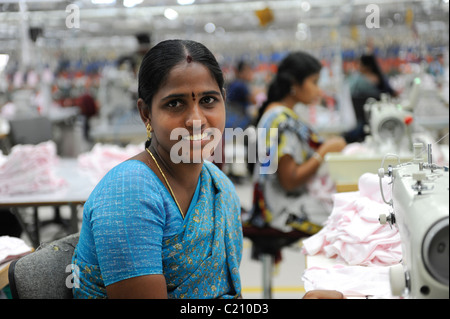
(357, 148)
(103, 157)
(30, 169)
(352, 281)
(353, 234)
(322, 187)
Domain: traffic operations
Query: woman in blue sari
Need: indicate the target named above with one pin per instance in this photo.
(166, 223)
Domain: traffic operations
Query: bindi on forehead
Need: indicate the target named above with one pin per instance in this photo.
(193, 96)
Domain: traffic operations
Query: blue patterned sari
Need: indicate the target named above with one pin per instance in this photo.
(199, 257)
(203, 260)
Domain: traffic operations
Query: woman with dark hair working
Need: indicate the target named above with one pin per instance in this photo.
(165, 223)
(368, 82)
(283, 197)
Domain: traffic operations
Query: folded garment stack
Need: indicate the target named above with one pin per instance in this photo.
(30, 169)
(103, 157)
(356, 241)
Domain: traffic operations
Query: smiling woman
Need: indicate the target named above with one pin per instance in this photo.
(155, 227)
(190, 100)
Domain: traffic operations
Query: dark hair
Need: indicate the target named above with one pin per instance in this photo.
(370, 61)
(160, 59)
(294, 68)
(242, 65)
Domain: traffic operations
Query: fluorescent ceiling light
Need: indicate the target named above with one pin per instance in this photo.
(3, 61)
(305, 5)
(170, 14)
(103, 1)
(210, 27)
(185, 2)
(131, 3)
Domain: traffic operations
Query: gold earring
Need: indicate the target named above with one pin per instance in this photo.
(149, 133)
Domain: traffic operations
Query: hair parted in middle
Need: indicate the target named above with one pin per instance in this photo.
(160, 59)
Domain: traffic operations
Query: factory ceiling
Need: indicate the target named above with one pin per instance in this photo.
(232, 22)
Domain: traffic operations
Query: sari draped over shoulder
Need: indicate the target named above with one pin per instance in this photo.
(202, 261)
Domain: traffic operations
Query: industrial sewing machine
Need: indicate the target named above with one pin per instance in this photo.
(420, 210)
(390, 127)
(390, 122)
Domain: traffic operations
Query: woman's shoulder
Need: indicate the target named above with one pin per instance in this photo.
(127, 183)
(130, 168)
(130, 172)
(276, 114)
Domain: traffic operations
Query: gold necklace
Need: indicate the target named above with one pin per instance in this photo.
(167, 182)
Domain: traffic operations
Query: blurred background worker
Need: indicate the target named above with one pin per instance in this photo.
(240, 97)
(367, 82)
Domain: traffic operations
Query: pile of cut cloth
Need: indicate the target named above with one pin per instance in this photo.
(358, 243)
(30, 169)
(12, 248)
(103, 157)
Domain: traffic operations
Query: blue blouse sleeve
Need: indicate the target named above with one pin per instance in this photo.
(127, 218)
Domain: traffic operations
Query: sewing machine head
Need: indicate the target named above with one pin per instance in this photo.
(389, 121)
(420, 205)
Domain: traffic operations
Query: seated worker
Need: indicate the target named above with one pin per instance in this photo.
(368, 82)
(155, 227)
(240, 97)
(164, 224)
(282, 196)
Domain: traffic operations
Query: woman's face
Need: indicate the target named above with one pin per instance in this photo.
(309, 91)
(188, 114)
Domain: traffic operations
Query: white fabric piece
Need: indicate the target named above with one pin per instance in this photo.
(12, 246)
(30, 169)
(352, 281)
(103, 157)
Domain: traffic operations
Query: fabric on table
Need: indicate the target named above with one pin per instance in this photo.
(353, 233)
(30, 169)
(350, 280)
(103, 157)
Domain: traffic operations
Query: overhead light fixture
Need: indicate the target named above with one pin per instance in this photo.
(210, 27)
(131, 3)
(3, 61)
(170, 14)
(103, 1)
(185, 2)
(305, 5)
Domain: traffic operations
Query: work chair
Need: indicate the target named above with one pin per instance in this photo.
(267, 244)
(45, 273)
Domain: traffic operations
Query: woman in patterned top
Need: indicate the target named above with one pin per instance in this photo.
(282, 198)
(166, 223)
